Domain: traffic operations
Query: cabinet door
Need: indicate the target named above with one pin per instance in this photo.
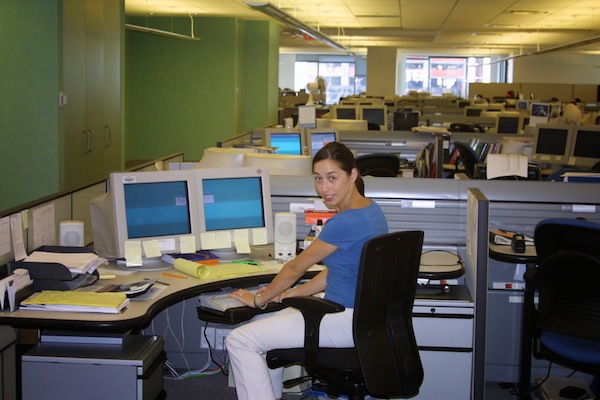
(92, 62)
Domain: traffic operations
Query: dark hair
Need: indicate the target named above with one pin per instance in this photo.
(344, 158)
(338, 152)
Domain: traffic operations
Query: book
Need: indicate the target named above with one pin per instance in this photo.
(59, 300)
(201, 257)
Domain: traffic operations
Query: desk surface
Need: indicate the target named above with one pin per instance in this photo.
(139, 313)
(506, 254)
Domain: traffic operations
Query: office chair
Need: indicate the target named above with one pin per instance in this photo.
(378, 164)
(468, 158)
(385, 361)
(565, 325)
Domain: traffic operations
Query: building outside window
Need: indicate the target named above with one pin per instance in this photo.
(340, 78)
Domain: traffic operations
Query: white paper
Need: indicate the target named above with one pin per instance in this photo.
(499, 165)
(16, 228)
(307, 116)
(151, 248)
(242, 244)
(4, 236)
(79, 263)
(44, 227)
(259, 236)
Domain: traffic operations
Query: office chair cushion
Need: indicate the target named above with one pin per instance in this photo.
(572, 348)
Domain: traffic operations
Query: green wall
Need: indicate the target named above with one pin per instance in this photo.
(29, 133)
(187, 95)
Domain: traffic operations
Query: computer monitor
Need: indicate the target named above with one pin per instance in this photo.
(523, 105)
(286, 141)
(344, 112)
(585, 149)
(280, 164)
(495, 107)
(223, 157)
(374, 114)
(318, 138)
(540, 113)
(234, 210)
(552, 143)
(473, 111)
(463, 103)
(144, 206)
(509, 123)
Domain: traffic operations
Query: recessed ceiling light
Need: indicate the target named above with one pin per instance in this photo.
(526, 12)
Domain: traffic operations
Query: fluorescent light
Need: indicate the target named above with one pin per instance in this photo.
(140, 28)
(289, 20)
(571, 45)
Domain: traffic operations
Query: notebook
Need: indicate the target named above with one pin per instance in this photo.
(56, 300)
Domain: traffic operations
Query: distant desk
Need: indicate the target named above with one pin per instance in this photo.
(138, 314)
(505, 253)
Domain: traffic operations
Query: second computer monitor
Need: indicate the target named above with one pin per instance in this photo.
(374, 114)
(585, 149)
(508, 123)
(552, 143)
(286, 141)
(344, 112)
(317, 138)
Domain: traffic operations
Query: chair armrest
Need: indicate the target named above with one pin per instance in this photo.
(312, 304)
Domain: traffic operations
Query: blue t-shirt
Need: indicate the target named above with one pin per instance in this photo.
(349, 230)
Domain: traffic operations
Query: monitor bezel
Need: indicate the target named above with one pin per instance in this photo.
(383, 108)
(119, 180)
(345, 107)
(519, 119)
(232, 173)
(581, 161)
(310, 133)
(561, 159)
(269, 132)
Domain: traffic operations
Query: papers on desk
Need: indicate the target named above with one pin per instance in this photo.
(499, 165)
(504, 237)
(10, 285)
(77, 263)
(219, 271)
(76, 301)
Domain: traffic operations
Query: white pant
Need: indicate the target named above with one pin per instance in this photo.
(248, 344)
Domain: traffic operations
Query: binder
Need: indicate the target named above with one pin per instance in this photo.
(57, 300)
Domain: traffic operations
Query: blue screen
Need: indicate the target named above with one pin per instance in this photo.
(157, 209)
(320, 139)
(287, 143)
(233, 203)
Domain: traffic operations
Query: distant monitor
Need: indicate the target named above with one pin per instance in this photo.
(585, 150)
(350, 124)
(344, 112)
(280, 164)
(234, 210)
(540, 113)
(523, 105)
(223, 157)
(552, 143)
(508, 123)
(373, 114)
(318, 138)
(144, 206)
(495, 107)
(472, 111)
(287, 141)
(464, 103)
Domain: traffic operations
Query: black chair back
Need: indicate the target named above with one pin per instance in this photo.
(468, 158)
(378, 164)
(553, 235)
(383, 330)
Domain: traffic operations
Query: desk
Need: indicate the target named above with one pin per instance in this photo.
(139, 313)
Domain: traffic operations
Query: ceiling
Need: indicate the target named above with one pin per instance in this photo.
(452, 27)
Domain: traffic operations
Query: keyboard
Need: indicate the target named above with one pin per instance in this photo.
(221, 301)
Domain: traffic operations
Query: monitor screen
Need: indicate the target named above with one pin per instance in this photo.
(552, 143)
(286, 141)
(373, 114)
(508, 124)
(345, 112)
(585, 151)
(523, 105)
(234, 210)
(145, 206)
(319, 138)
(473, 111)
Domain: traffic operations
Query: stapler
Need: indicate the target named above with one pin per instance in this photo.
(517, 243)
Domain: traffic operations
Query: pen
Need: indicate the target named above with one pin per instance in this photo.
(249, 262)
(162, 283)
(172, 275)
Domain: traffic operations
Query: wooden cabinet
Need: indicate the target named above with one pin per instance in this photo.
(92, 73)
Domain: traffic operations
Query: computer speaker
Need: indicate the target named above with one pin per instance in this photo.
(285, 236)
(71, 233)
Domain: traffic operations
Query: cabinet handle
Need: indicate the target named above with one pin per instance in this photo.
(108, 132)
(86, 142)
(91, 140)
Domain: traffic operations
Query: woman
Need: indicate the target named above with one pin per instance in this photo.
(339, 245)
